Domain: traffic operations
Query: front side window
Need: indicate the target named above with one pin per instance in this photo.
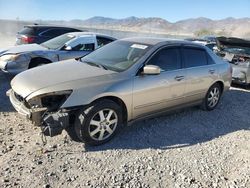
(167, 59)
(194, 57)
(117, 56)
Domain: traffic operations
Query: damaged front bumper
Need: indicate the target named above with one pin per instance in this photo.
(52, 123)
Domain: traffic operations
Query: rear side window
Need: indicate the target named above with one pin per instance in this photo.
(71, 30)
(167, 59)
(51, 33)
(27, 31)
(101, 41)
(56, 32)
(194, 57)
(84, 47)
(66, 30)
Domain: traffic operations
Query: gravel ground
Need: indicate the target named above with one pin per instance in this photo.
(190, 148)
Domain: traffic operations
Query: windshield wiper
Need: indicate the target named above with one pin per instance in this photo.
(95, 64)
(103, 66)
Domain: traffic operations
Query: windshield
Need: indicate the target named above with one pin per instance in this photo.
(238, 50)
(58, 42)
(117, 56)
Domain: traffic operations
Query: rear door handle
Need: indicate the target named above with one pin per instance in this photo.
(179, 78)
(211, 71)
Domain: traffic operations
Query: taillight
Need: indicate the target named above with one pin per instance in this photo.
(27, 40)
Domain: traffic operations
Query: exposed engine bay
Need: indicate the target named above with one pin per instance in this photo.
(237, 52)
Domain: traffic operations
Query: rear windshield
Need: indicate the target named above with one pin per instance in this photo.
(27, 31)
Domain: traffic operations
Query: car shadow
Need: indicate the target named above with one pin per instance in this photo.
(186, 128)
(5, 105)
(241, 86)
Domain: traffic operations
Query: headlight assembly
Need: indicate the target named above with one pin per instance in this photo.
(9, 57)
(14, 61)
(51, 101)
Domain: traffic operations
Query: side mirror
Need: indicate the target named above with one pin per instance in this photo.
(151, 70)
(68, 48)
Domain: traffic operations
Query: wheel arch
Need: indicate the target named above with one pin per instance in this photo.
(221, 83)
(119, 102)
(35, 60)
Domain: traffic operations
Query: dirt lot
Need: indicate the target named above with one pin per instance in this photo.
(191, 148)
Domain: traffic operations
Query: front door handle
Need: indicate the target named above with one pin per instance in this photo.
(211, 71)
(179, 78)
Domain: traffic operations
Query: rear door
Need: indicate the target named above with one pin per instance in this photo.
(156, 92)
(201, 71)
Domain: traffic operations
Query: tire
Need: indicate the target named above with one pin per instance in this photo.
(72, 133)
(99, 123)
(247, 86)
(212, 97)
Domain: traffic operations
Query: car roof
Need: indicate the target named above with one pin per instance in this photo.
(50, 26)
(78, 34)
(155, 41)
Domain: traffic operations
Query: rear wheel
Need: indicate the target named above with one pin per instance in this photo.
(99, 123)
(212, 97)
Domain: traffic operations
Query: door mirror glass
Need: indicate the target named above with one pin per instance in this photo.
(151, 70)
(68, 48)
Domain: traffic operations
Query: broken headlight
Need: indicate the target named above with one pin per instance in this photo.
(51, 101)
(9, 57)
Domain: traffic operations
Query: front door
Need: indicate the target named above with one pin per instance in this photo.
(153, 93)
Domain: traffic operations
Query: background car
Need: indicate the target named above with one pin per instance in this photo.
(67, 46)
(41, 33)
(237, 52)
(206, 42)
(128, 79)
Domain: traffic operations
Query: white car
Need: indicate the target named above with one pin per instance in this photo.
(67, 46)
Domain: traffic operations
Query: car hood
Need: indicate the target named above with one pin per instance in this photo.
(70, 72)
(232, 42)
(24, 48)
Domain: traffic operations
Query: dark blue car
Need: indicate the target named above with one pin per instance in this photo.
(41, 33)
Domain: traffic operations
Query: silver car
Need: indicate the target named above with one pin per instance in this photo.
(67, 46)
(121, 82)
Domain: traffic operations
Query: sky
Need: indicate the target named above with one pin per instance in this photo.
(171, 10)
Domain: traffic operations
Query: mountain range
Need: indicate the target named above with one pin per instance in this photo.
(195, 26)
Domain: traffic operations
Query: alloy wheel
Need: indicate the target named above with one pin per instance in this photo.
(213, 97)
(103, 124)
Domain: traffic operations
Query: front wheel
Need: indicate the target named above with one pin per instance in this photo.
(98, 123)
(212, 97)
